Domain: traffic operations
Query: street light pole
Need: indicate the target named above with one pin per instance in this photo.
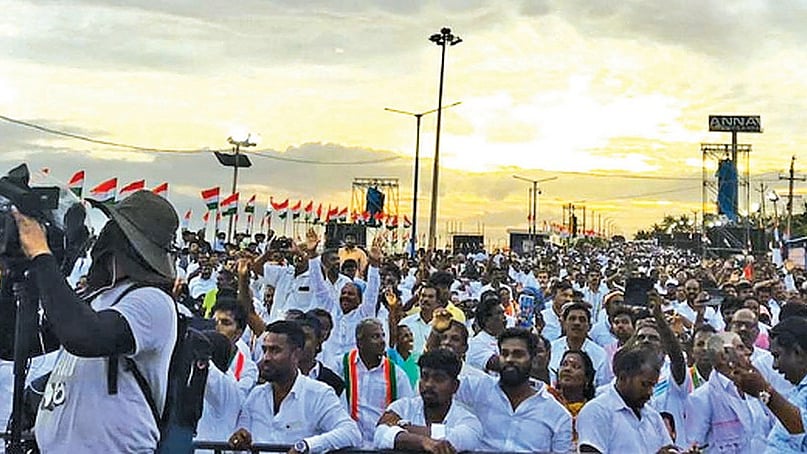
(441, 39)
(415, 187)
(533, 230)
(245, 142)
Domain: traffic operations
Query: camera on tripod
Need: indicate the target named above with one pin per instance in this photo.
(40, 203)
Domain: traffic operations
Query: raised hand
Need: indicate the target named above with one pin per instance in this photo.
(376, 253)
(311, 240)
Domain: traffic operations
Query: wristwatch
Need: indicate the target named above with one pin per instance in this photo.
(301, 447)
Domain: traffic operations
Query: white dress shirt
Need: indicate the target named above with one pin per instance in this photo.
(602, 368)
(326, 296)
(311, 412)
(243, 369)
(552, 329)
(710, 315)
(463, 429)
(539, 423)
(199, 286)
(719, 416)
(372, 388)
(601, 334)
(609, 425)
(291, 291)
(480, 348)
(223, 400)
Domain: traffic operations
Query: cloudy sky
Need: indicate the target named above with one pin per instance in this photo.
(610, 97)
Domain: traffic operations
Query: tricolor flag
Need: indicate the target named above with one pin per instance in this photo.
(76, 183)
(342, 215)
(282, 208)
(309, 211)
(318, 218)
(131, 188)
(206, 217)
(105, 192)
(331, 215)
(407, 222)
(392, 222)
(218, 221)
(211, 197)
(250, 207)
(379, 217)
(186, 220)
(354, 216)
(161, 190)
(295, 210)
(365, 216)
(229, 206)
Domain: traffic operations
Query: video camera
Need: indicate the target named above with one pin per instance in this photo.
(59, 216)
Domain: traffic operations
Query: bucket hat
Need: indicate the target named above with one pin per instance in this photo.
(150, 223)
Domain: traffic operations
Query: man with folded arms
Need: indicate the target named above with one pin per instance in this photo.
(432, 421)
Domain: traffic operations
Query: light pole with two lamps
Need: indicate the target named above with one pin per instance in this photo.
(534, 193)
(442, 39)
(238, 138)
(418, 116)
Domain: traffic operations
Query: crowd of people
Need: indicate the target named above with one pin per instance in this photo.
(325, 348)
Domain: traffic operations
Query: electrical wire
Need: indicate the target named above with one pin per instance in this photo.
(258, 153)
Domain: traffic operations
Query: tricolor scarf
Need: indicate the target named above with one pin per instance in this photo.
(352, 381)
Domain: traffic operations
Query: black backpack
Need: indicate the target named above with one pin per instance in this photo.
(187, 378)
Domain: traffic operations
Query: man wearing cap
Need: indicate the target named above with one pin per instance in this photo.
(84, 406)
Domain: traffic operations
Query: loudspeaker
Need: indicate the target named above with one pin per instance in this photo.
(335, 234)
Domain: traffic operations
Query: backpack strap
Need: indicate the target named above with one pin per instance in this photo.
(143, 384)
(112, 361)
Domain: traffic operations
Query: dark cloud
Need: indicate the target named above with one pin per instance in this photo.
(713, 27)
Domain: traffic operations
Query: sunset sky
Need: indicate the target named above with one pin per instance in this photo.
(548, 88)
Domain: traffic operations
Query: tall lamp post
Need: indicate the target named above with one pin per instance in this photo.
(442, 39)
(238, 139)
(534, 193)
(418, 116)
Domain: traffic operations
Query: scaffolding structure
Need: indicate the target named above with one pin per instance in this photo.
(390, 187)
(740, 154)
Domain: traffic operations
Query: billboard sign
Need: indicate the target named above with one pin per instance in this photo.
(735, 123)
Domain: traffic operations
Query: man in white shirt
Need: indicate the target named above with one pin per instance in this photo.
(576, 325)
(694, 307)
(420, 323)
(350, 305)
(619, 420)
(515, 416)
(231, 320)
(292, 408)
(594, 293)
(719, 414)
(292, 287)
(431, 422)
(203, 283)
(223, 398)
(483, 349)
(563, 293)
(744, 322)
(372, 381)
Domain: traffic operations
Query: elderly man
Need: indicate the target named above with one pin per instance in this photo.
(719, 414)
(372, 381)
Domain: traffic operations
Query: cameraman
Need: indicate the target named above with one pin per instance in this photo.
(92, 402)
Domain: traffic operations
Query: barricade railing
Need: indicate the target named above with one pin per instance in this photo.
(220, 447)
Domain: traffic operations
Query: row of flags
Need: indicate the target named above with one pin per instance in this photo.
(108, 192)
(228, 206)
